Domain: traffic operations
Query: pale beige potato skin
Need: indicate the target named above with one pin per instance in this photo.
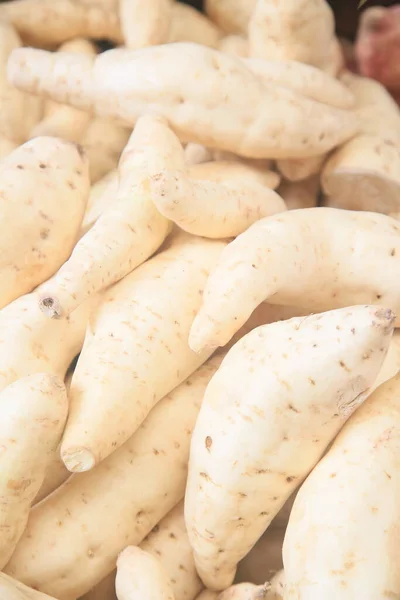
(104, 510)
(126, 234)
(11, 589)
(295, 258)
(305, 79)
(236, 45)
(269, 121)
(61, 120)
(188, 24)
(300, 194)
(299, 30)
(145, 23)
(288, 387)
(363, 174)
(221, 170)
(37, 233)
(196, 154)
(33, 411)
(141, 575)
(31, 343)
(232, 16)
(104, 142)
(277, 590)
(136, 350)
(169, 543)
(47, 23)
(221, 207)
(342, 537)
(207, 595)
(391, 364)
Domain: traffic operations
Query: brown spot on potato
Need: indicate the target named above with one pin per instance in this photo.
(393, 252)
(44, 234)
(311, 380)
(208, 442)
(293, 408)
(290, 478)
(332, 475)
(42, 165)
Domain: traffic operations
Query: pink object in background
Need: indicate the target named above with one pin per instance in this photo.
(377, 47)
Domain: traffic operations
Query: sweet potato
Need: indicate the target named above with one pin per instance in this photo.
(300, 30)
(391, 364)
(169, 542)
(305, 79)
(288, 387)
(277, 589)
(38, 233)
(231, 15)
(33, 411)
(11, 589)
(189, 25)
(294, 258)
(145, 23)
(108, 404)
(141, 575)
(126, 234)
(62, 120)
(31, 343)
(268, 121)
(49, 23)
(342, 532)
(364, 173)
(93, 516)
(300, 194)
(214, 209)
(103, 143)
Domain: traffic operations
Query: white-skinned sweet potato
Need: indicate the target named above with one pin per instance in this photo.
(236, 45)
(269, 121)
(341, 540)
(92, 517)
(11, 589)
(126, 234)
(231, 15)
(188, 24)
(221, 207)
(300, 194)
(108, 404)
(103, 142)
(33, 411)
(288, 387)
(294, 258)
(37, 233)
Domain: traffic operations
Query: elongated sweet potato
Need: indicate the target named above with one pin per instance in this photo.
(103, 142)
(102, 195)
(126, 234)
(300, 169)
(188, 24)
(37, 233)
(342, 532)
(288, 387)
(300, 194)
(268, 121)
(294, 258)
(88, 521)
(108, 404)
(232, 16)
(33, 411)
(215, 209)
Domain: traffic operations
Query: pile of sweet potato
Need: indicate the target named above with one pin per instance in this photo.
(199, 295)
